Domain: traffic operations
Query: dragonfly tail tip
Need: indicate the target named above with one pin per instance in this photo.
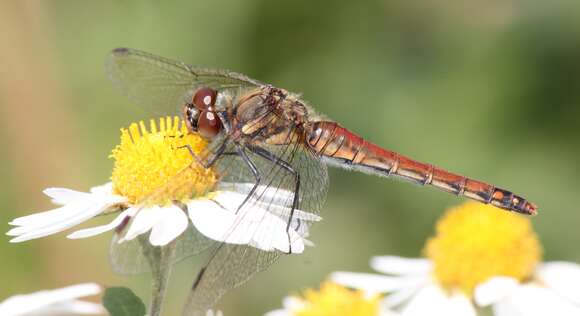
(527, 208)
(532, 209)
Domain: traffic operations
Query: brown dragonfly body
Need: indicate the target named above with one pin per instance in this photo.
(344, 148)
(290, 120)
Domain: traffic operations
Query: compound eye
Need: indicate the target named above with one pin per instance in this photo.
(209, 124)
(204, 98)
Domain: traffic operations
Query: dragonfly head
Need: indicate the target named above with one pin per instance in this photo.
(200, 115)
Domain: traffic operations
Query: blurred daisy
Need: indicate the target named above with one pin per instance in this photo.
(214, 313)
(57, 302)
(332, 299)
(156, 190)
(480, 257)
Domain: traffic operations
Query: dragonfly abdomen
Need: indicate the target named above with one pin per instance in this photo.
(341, 147)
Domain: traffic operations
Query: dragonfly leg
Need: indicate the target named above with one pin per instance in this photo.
(195, 157)
(215, 156)
(255, 172)
(286, 166)
(239, 152)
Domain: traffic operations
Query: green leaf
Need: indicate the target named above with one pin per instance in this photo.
(121, 301)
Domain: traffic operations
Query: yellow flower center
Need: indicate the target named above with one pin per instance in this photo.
(474, 242)
(333, 299)
(155, 166)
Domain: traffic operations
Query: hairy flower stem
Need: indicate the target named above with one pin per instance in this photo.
(159, 259)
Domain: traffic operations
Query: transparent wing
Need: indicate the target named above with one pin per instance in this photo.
(128, 258)
(231, 265)
(162, 85)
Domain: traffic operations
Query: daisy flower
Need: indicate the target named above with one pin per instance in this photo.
(480, 258)
(58, 302)
(330, 300)
(155, 189)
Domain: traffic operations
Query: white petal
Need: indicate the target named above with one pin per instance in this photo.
(230, 201)
(143, 221)
(218, 220)
(93, 231)
(430, 300)
(276, 195)
(401, 266)
(563, 278)
(533, 300)
(273, 235)
(460, 305)
(106, 189)
(375, 283)
(36, 302)
(505, 308)
(263, 229)
(494, 290)
(75, 291)
(75, 307)
(52, 216)
(275, 199)
(402, 295)
(212, 221)
(79, 207)
(279, 312)
(385, 310)
(64, 196)
(292, 303)
(169, 226)
(54, 227)
(272, 194)
(282, 211)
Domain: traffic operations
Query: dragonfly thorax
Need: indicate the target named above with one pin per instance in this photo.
(269, 115)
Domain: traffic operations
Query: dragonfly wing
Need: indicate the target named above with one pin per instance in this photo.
(237, 264)
(127, 257)
(231, 265)
(163, 85)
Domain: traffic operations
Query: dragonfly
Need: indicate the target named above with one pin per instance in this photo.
(271, 138)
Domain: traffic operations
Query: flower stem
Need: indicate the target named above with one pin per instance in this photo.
(159, 259)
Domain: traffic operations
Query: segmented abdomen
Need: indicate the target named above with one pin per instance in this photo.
(339, 146)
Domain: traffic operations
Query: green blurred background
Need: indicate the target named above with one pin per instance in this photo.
(489, 89)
